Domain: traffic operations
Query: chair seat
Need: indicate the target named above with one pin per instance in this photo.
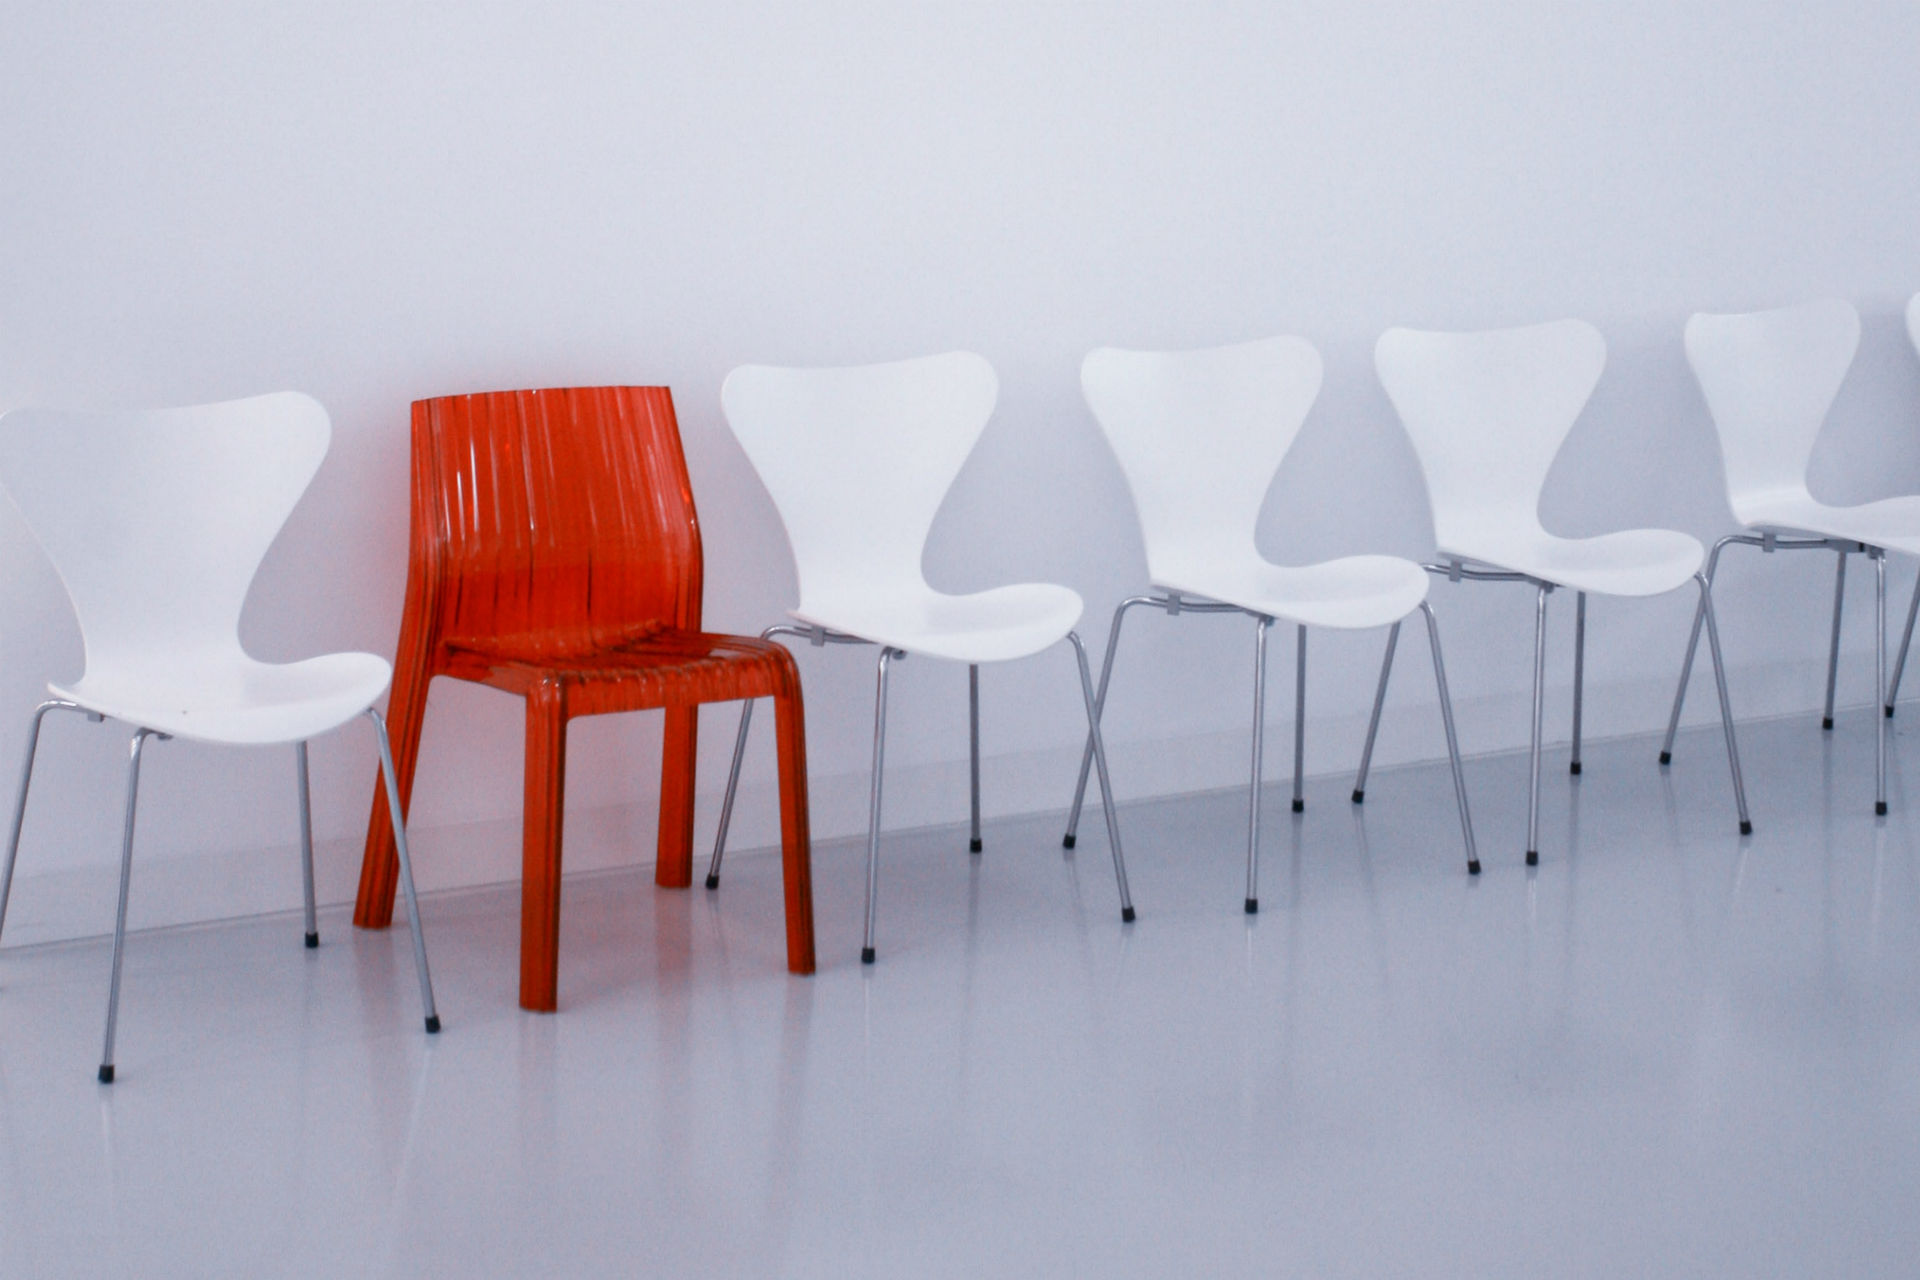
(1633, 562)
(1893, 523)
(1351, 592)
(986, 626)
(657, 667)
(234, 699)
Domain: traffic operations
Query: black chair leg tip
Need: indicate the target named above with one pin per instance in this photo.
(1299, 806)
(1746, 828)
(713, 882)
(1533, 857)
(1574, 768)
(1666, 757)
(1066, 841)
(1473, 867)
(973, 846)
(1126, 915)
(1879, 808)
(433, 1025)
(1889, 712)
(1826, 722)
(1253, 906)
(866, 955)
(1359, 796)
(106, 1073)
(313, 940)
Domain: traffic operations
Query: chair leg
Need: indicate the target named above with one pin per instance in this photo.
(1693, 645)
(139, 743)
(733, 785)
(1373, 723)
(20, 804)
(873, 811)
(1833, 649)
(1539, 698)
(973, 749)
(1579, 673)
(1880, 679)
(546, 771)
(407, 711)
(1453, 743)
(1259, 734)
(673, 851)
(411, 898)
(1906, 642)
(306, 840)
(1726, 704)
(1300, 720)
(1100, 707)
(1106, 781)
(796, 840)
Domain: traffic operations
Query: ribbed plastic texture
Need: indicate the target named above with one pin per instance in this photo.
(556, 555)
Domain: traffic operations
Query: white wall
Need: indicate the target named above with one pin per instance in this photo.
(375, 203)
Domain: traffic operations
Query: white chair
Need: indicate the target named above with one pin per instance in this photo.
(1487, 412)
(1769, 378)
(1913, 609)
(857, 461)
(156, 523)
(1200, 436)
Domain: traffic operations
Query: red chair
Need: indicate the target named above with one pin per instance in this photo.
(556, 555)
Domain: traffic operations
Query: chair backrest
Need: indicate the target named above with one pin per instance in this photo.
(1769, 378)
(1486, 413)
(157, 520)
(1199, 435)
(561, 518)
(857, 460)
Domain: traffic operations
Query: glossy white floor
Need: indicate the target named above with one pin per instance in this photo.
(1669, 1051)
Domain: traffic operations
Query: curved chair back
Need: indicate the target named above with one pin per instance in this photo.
(562, 519)
(857, 460)
(1199, 435)
(1487, 412)
(157, 520)
(1769, 378)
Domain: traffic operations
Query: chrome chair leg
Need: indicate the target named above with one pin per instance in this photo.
(1879, 679)
(1579, 672)
(140, 737)
(1693, 645)
(1539, 692)
(873, 811)
(1300, 720)
(733, 784)
(20, 804)
(306, 841)
(1373, 723)
(973, 749)
(1100, 707)
(1833, 650)
(1453, 743)
(1906, 642)
(1259, 733)
(406, 870)
(1106, 782)
(1726, 704)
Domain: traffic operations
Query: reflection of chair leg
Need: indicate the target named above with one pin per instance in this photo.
(673, 853)
(1539, 698)
(140, 737)
(546, 769)
(1259, 736)
(1453, 743)
(1906, 642)
(412, 899)
(306, 840)
(873, 813)
(20, 805)
(407, 712)
(796, 841)
(1373, 724)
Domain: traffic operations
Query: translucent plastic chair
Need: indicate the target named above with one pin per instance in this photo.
(1487, 413)
(1769, 378)
(556, 556)
(857, 461)
(1200, 436)
(156, 523)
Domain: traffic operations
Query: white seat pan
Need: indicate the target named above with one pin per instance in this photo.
(1351, 592)
(987, 626)
(1633, 562)
(1893, 523)
(237, 701)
